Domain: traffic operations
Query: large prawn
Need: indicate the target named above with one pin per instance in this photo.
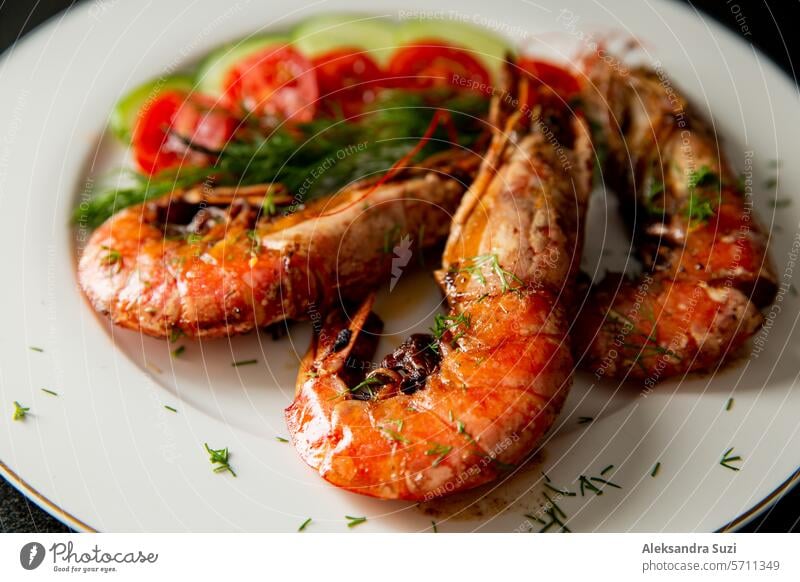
(208, 262)
(448, 414)
(705, 265)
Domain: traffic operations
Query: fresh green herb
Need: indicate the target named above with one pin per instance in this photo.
(291, 156)
(244, 363)
(492, 263)
(220, 457)
(35, 349)
(304, 525)
(553, 511)
(444, 323)
(176, 353)
(440, 450)
(729, 405)
(588, 484)
(698, 208)
(50, 392)
(366, 385)
(585, 419)
(112, 256)
(781, 202)
(354, 521)
(654, 472)
(280, 439)
(770, 183)
(394, 435)
(268, 205)
(170, 408)
(435, 529)
(175, 334)
(606, 470)
(727, 460)
(20, 412)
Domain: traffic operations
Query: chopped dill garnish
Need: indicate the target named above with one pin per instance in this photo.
(770, 183)
(244, 363)
(780, 203)
(112, 256)
(433, 525)
(354, 521)
(35, 349)
(50, 392)
(589, 484)
(175, 334)
(176, 353)
(20, 412)
(170, 408)
(394, 435)
(606, 470)
(280, 439)
(449, 323)
(729, 405)
(477, 265)
(654, 472)
(440, 450)
(220, 457)
(698, 208)
(585, 419)
(727, 460)
(304, 525)
(366, 385)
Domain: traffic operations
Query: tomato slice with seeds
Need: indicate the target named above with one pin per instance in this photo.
(276, 82)
(433, 63)
(347, 79)
(173, 118)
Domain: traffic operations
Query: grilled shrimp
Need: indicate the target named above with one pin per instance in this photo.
(446, 414)
(207, 263)
(706, 269)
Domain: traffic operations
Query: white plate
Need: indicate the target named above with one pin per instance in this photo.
(106, 454)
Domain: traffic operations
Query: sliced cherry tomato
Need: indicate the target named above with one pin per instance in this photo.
(275, 82)
(433, 63)
(348, 79)
(174, 118)
(550, 81)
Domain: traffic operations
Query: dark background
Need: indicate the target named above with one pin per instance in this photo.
(772, 29)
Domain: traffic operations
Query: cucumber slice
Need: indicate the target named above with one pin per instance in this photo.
(486, 46)
(322, 34)
(211, 73)
(123, 117)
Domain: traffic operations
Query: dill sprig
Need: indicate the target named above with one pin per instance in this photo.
(476, 266)
(304, 525)
(441, 451)
(354, 521)
(727, 459)
(292, 156)
(698, 207)
(20, 412)
(220, 457)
